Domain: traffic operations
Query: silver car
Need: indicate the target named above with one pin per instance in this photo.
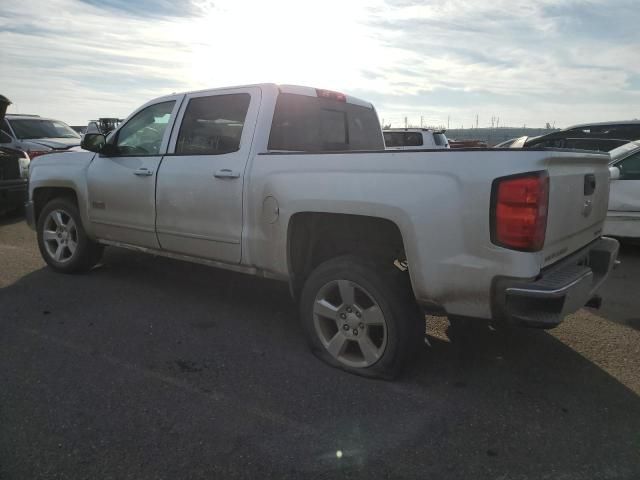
(623, 217)
(36, 135)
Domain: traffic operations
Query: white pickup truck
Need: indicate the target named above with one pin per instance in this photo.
(294, 183)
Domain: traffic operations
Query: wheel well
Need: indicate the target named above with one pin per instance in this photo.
(317, 237)
(41, 196)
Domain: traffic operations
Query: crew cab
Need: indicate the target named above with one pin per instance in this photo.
(294, 183)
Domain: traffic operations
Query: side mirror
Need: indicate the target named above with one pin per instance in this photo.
(94, 142)
(614, 173)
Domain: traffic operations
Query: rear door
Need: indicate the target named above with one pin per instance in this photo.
(200, 181)
(578, 200)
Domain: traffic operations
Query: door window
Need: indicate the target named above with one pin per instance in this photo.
(5, 137)
(213, 125)
(142, 135)
(630, 167)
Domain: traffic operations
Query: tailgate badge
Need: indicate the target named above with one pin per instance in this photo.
(587, 208)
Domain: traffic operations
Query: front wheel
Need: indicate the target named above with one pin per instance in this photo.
(63, 243)
(361, 317)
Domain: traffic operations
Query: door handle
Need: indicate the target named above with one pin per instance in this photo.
(226, 173)
(143, 172)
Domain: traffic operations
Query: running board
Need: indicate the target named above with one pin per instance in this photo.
(188, 258)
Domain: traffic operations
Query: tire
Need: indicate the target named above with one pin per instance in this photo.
(349, 305)
(66, 249)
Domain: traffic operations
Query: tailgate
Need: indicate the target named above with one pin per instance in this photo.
(578, 201)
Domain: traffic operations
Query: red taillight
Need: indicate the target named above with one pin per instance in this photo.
(519, 211)
(330, 95)
(35, 153)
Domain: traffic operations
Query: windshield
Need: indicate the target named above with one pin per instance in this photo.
(37, 128)
(623, 150)
(440, 139)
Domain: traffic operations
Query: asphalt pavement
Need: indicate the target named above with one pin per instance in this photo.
(149, 368)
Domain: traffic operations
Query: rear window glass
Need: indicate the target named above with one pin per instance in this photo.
(32, 128)
(413, 139)
(403, 139)
(311, 124)
(440, 139)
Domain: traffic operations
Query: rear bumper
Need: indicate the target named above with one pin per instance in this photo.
(559, 290)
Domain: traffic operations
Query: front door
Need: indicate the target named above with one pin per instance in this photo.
(122, 185)
(200, 181)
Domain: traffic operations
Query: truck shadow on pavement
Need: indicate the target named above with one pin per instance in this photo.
(620, 291)
(144, 346)
(11, 218)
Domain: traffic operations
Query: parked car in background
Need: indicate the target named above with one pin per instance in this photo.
(293, 183)
(623, 218)
(467, 144)
(14, 171)
(414, 138)
(507, 143)
(604, 136)
(36, 135)
(103, 125)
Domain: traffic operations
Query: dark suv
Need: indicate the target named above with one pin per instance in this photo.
(603, 136)
(14, 172)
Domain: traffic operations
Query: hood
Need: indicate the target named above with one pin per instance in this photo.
(55, 143)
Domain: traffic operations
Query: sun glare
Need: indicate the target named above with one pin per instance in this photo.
(325, 45)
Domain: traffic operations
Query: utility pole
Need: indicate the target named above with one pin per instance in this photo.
(448, 119)
(421, 121)
(476, 120)
(405, 122)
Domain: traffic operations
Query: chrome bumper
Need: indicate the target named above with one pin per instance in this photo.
(559, 290)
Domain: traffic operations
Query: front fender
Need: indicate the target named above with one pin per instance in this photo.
(63, 170)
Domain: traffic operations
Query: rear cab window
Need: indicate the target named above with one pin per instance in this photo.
(31, 128)
(305, 123)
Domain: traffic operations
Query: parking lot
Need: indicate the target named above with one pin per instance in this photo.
(152, 368)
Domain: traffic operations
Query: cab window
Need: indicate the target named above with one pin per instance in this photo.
(143, 133)
(213, 125)
(5, 137)
(630, 167)
(310, 124)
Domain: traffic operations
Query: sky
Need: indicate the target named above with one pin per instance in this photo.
(437, 63)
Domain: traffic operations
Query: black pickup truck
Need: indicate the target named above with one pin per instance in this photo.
(14, 171)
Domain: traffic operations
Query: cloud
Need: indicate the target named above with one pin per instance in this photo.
(147, 8)
(527, 62)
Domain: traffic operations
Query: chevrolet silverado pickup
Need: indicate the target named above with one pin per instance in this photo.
(294, 183)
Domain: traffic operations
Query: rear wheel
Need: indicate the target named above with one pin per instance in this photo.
(361, 317)
(63, 243)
